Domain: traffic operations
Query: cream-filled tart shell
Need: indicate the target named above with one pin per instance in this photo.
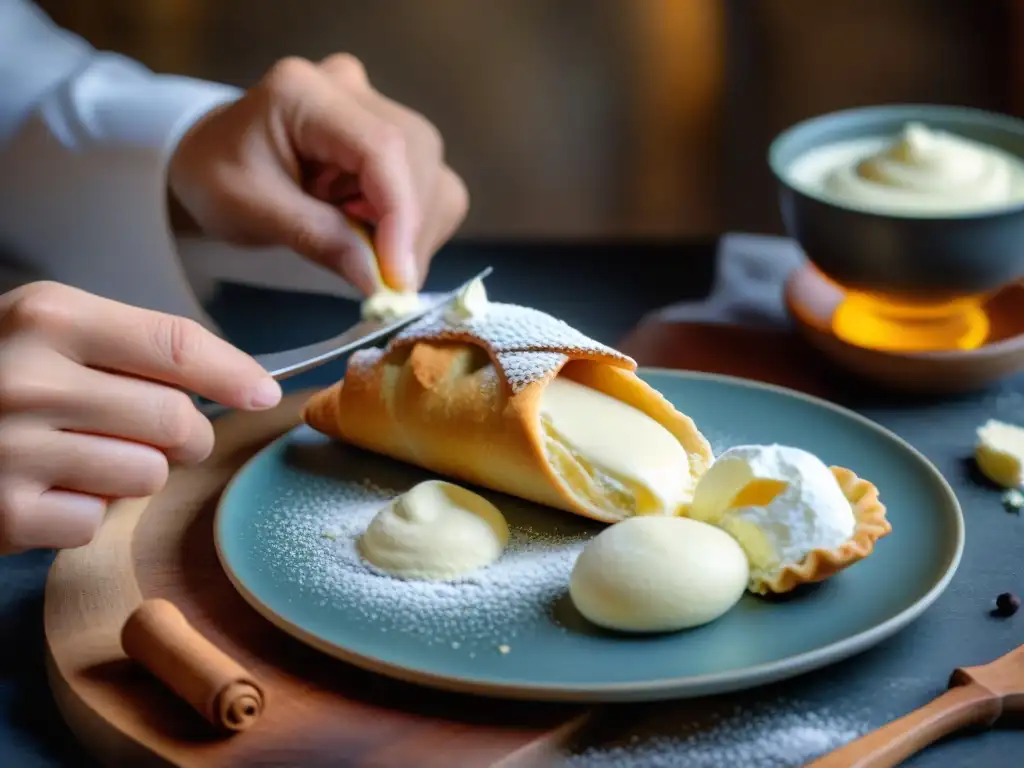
(821, 564)
(797, 519)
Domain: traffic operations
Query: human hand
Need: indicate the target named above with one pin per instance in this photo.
(309, 141)
(90, 409)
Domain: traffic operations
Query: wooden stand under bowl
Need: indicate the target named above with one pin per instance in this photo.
(812, 299)
(318, 711)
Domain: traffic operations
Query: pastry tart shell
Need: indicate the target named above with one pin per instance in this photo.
(821, 564)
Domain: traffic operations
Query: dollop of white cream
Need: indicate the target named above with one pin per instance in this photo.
(471, 301)
(919, 172)
(658, 574)
(999, 453)
(435, 531)
(779, 502)
(386, 304)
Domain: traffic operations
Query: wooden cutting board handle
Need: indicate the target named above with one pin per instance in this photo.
(960, 707)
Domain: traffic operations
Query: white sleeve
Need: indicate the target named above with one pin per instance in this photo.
(85, 139)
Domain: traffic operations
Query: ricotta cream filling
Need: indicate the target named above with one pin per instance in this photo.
(613, 456)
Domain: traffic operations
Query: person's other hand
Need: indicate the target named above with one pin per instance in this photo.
(92, 407)
(309, 141)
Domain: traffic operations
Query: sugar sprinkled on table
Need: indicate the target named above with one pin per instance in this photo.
(778, 735)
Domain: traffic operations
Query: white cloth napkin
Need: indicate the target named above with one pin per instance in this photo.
(750, 272)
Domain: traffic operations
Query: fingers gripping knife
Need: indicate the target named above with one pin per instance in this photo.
(282, 365)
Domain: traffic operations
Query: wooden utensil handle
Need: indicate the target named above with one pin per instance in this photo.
(957, 708)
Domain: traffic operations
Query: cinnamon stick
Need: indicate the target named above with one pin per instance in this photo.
(159, 637)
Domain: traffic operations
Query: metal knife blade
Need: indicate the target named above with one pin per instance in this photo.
(290, 362)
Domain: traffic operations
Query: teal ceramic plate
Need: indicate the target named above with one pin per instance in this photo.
(286, 525)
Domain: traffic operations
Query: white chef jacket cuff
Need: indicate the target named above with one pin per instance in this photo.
(153, 115)
(164, 121)
(146, 112)
(91, 163)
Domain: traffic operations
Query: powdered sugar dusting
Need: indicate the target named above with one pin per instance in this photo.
(529, 345)
(720, 443)
(522, 368)
(778, 735)
(310, 534)
(508, 328)
(307, 532)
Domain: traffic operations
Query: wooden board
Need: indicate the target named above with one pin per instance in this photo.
(319, 711)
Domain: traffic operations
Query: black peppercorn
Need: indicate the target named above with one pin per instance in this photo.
(1007, 604)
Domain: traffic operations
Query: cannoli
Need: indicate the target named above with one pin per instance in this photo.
(511, 399)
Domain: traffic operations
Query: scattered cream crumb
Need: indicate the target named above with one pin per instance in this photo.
(504, 648)
(999, 453)
(1013, 500)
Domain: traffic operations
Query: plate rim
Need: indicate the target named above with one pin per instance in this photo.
(691, 686)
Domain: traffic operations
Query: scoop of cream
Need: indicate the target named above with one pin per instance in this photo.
(386, 304)
(778, 502)
(612, 455)
(926, 171)
(435, 531)
(471, 301)
(658, 574)
(999, 453)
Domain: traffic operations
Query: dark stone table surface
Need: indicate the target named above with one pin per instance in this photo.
(604, 289)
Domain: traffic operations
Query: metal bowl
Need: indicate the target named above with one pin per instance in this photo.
(905, 257)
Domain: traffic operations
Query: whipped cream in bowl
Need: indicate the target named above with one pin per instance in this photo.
(920, 171)
(916, 204)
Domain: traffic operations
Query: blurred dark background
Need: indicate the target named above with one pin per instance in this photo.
(600, 118)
